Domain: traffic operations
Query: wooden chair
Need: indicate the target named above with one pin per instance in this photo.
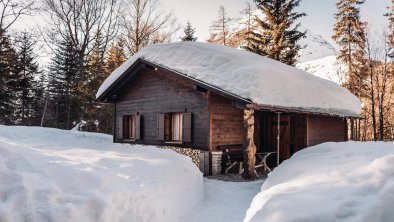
(232, 155)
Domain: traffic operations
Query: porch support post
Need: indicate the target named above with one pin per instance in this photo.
(278, 140)
(249, 172)
(359, 130)
(114, 123)
(346, 130)
(352, 128)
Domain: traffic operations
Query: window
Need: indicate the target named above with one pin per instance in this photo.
(174, 127)
(129, 127)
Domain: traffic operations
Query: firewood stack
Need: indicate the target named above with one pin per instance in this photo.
(192, 153)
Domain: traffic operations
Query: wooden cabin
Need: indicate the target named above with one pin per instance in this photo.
(194, 95)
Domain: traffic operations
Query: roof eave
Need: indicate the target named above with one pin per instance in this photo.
(284, 109)
(104, 95)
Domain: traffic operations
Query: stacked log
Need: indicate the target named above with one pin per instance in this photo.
(194, 154)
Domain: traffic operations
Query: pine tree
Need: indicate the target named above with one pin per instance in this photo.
(95, 75)
(7, 70)
(63, 78)
(220, 28)
(189, 33)
(277, 35)
(350, 36)
(248, 14)
(24, 79)
(116, 56)
(390, 37)
(40, 99)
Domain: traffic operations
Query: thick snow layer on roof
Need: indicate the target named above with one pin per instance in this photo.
(331, 182)
(263, 81)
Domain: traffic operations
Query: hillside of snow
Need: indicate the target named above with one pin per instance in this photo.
(57, 175)
(331, 182)
(315, 47)
(327, 68)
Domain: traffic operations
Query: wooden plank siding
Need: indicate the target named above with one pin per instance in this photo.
(285, 140)
(226, 122)
(299, 129)
(322, 129)
(155, 92)
(215, 119)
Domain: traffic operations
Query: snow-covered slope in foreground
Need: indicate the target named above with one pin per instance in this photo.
(350, 181)
(56, 175)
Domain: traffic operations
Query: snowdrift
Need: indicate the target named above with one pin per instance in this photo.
(350, 181)
(56, 175)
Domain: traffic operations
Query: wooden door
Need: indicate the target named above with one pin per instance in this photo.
(284, 128)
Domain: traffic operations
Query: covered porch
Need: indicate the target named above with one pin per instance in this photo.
(273, 136)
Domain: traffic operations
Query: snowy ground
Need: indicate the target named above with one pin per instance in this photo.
(57, 175)
(224, 201)
(331, 182)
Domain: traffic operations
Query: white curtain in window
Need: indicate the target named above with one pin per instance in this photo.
(131, 127)
(176, 127)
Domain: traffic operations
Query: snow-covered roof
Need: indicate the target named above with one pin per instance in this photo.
(262, 81)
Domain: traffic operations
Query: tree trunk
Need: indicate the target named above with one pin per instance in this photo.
(352, 129)
(372, 93)
(249, 146)
(381, 123)
(44, 112)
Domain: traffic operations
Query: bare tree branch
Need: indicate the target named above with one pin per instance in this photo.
(81, 22)
(11, 10)
(144, 23)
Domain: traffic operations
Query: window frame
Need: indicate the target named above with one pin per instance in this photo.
(176, 127)
(129, 129)
(165, 129)
(173, 135)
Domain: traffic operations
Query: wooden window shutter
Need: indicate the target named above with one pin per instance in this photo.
(160, 127)
(137, 127)
(120, 128)
(187, 127)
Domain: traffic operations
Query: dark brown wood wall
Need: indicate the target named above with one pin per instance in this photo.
(300, 133)
(155, 92)
(226, 122)
(322, 129)
(285, 140)
(215, 119)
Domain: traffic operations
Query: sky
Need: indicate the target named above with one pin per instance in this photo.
(319, 19)
(201, 13)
